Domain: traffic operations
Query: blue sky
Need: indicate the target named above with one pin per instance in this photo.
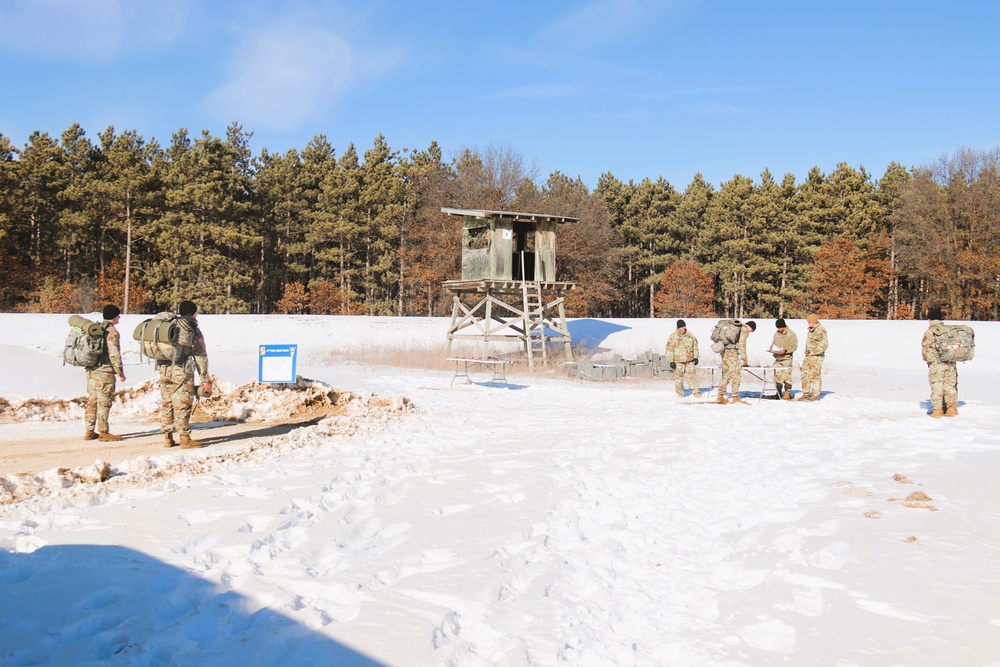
(635, 88)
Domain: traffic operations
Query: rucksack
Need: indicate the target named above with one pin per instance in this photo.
(954, 342)
(726, 334)
(86, 342)
(163, 338)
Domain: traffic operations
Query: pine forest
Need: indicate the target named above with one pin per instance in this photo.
(325, 230)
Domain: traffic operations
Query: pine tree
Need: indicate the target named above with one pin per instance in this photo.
(205, 238)
(382, 204)
(587, 249)
(129, 196)
(730, 241)
(430, 242)
(337, 229)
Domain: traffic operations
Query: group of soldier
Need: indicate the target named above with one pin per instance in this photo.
(683, 355)
(177, 388)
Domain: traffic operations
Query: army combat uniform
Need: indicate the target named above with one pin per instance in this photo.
(682, 354)
(177, 384)
(787, 342)
(734, 358)
(943, 375)
(101, 386)
(812, 364)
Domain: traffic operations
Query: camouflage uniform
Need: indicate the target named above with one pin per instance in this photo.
(734, 358)
(783, 340)
(682, 351)
(812, 364)
(177, 381)
(101, 382)
(943, 375)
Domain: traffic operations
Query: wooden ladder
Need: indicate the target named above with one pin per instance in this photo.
(534, 316)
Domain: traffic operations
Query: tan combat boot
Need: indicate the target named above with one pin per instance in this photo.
(108, 437)
(787, 392)
(168, 440)
(937, 413)
(696, 393)
(721, 398)
(90, 435)
(952, 411)
(188, 443)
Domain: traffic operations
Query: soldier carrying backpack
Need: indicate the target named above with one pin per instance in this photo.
(177, 369)
(942, 346)
(102, 357)
(730, 340)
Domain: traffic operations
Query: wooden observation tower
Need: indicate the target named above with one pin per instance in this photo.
(508, 291)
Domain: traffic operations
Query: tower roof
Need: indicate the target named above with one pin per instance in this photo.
(510, 215)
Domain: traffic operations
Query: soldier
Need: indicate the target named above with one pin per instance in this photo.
(177, 379)
(682, 355)
(784, 343)
(942, 375)
(734, 358)
(101, 379)
(812, 364)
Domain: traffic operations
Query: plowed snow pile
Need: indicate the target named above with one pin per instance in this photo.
(254, 402)
(336, 413)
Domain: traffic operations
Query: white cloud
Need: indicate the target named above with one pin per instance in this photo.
(602, 22)
(287, 75)
(89, 30)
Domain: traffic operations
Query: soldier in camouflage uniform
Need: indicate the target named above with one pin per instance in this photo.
(101, 379)
(812, 364)
(734, 358)
(682, 355)
(942, 375)
(177, 380)
(783, 345)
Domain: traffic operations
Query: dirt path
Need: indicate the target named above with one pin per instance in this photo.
(63, 445)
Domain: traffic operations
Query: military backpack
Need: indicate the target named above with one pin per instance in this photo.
(165, 337)
(954, 342)
(86, 342)
(726, 334)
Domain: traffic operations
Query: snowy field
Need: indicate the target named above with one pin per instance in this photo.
(549, 521)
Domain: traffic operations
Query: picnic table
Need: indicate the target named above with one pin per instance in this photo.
(498, 367)
(765, 374)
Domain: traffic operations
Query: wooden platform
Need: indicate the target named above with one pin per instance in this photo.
(531, 313)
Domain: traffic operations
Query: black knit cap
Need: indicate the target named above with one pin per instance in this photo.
(681, 324)
(780, 323)
(934, 313)
(110, 312)
(752, 325)
(187, 308)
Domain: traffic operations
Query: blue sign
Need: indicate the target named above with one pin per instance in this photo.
(277, 363)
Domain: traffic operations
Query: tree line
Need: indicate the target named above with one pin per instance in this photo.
(125, 220)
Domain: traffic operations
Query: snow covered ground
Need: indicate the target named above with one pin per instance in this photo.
(550, 521)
